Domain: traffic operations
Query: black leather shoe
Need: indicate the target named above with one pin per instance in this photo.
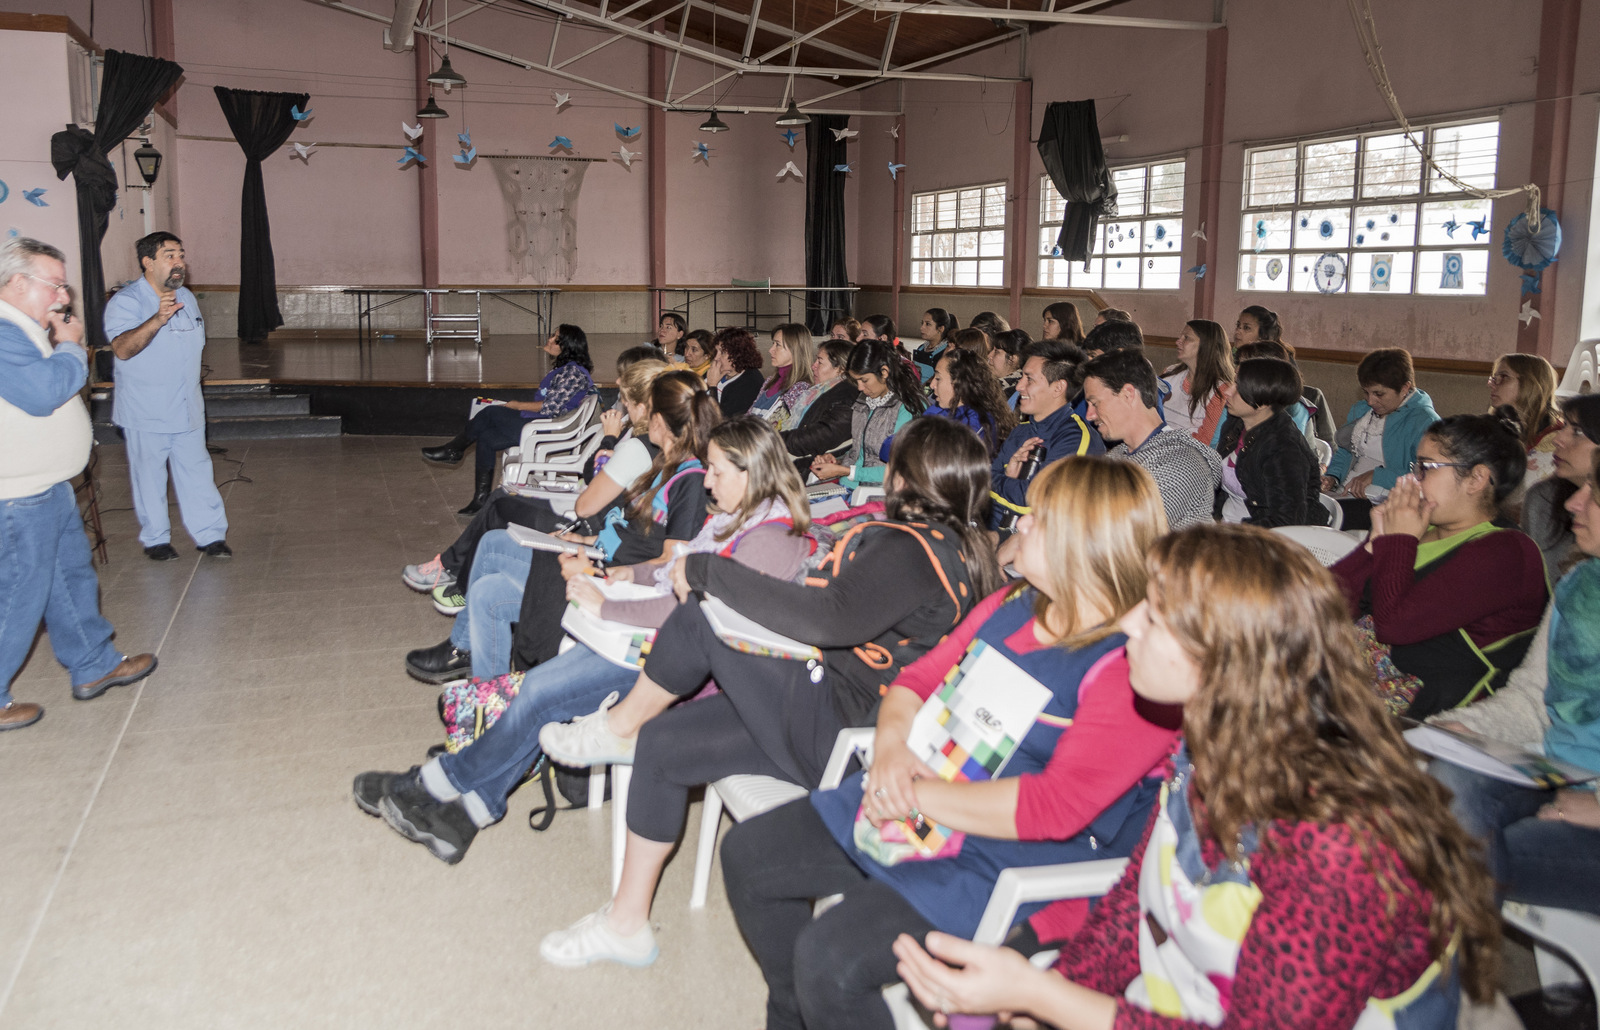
(449, 452)
(482, 485)
(216, 549)
(439, 664)
(161, 552)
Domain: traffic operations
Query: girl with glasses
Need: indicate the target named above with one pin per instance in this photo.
(1527, 383)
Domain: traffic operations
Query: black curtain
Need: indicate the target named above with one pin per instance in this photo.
(1069, 143)
(825, 256)
(130, 85)
(260, 122)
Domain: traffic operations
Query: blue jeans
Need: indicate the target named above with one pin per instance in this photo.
(494, 600)
(565, 687)
(46, 572)
(1538, 861)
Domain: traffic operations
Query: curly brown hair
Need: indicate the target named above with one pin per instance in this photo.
(1285, 726)
(740, 347)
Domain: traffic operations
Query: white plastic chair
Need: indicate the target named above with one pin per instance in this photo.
(1576, 935)
(1328, 545)
(1583, 370)
(1335, 512)
(1322, 449)
(863, 494)
(556, 458)
(549, 430)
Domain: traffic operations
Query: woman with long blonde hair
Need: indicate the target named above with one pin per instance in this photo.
(792, 352)
(1527, 383)
(1076, 787)
(1299, 870)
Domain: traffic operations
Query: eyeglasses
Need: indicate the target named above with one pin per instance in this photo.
(1420, 468)
(1501, 379)
(54, 286)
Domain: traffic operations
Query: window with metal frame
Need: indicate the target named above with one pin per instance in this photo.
(958, 236)
(1140, 249)
(1357, 214)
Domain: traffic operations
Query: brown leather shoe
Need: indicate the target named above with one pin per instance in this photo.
(18, 714)
(129, 670)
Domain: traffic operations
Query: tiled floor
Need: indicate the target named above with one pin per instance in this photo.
(184, 853)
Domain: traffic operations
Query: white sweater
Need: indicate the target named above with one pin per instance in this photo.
(40, 451)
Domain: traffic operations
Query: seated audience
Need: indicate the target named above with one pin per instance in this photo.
(1378, 441)
(1076, 788)
(846, 329)
(1310, 413)
(791, 352)
(989, 322)
(1007, 350)
(1258, 327)
(697, 351)
(1544, 514)
(1445, 598)
(1121, 389)
(1113, 334)
(1543, 843)
(1269, 473)
(761, 522)
(890, 591)
(879, 327)
(735, 375)
(937, 329)
(1528, 384)
(1257, 324)
(974, 340)
(516, 595)
(670, 332)
(1062, 322)
(965, 391)
(890, 396)
(820, 421)
(499, 426)
(1105, 315)
(1329, 898)
(629, 459)
(1050, 378)
(1194, 385)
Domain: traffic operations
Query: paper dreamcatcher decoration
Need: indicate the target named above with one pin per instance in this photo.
(1382, 272)
(1528, 250)
(1329, 273)
(1450, 274)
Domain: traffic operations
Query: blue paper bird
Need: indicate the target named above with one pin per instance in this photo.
(1530, 284)
(412, 155)
(627, 133)
(1450, 228)
(702, 152)
(466, 157)
(298, 114)
(1479, 228)
(560, 141)
(1198, 271)
(895, 170)
(789, 136)
(35, 197)
(846, 168)
(466, 139)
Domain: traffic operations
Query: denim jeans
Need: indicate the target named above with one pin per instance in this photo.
(1538, 861)
(565, 687)
(494, 597)
(46, 571)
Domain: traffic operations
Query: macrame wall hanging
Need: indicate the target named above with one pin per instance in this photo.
(541, 195)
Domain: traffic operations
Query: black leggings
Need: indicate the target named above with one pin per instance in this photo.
(537, 637)
(825, 973)
(774, 717)
(494, 429)
(501, 510)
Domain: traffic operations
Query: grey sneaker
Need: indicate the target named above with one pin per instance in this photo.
(423, 578)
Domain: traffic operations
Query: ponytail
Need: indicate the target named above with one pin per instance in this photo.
(883, 359)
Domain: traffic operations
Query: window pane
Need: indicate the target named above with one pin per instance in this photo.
(921, 273)
(1264, 272)
(966, 244)
(943, 273)
(1466, 151)
(1166, 188)
(944, 244)
(1130, 190)
(1386, 227)
(1381, 272)
(1391, 166)
(1047, 240)
(991, 273)
(1164, 236)
(1163, 273)
(992, 243)
(1456, 223)
(1053, 272)
(966, 273)
(1099, 246)
(1325, 229)
(1453, 272)
(971, 208)
(921, 247)
(1271, 177)
(1052, 205)
(1303, 279)
(1122, 273)
(1268, 229)
(994, 205)
(1122, 237)
(947, 211)
(1330, 171)
(1090, 278)
(922, 212)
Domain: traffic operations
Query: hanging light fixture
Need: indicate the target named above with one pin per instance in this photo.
(432, 110)
(148, 159)
(793, 115)
(713, 124)
(446, 76)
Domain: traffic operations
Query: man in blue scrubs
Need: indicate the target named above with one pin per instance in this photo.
(156, 333)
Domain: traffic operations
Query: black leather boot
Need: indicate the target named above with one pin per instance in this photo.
(449, 453)
(439, 664)
(482, 483)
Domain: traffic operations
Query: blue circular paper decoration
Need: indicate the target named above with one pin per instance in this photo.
(1119, 264)
(1361, 237)
(1161, 232)
(1151, 263)
(1055, 251)
(1325, 230)
(1452, 264)
(1384, 237)
(1304, 222)
(1329, 274)
(1371, 224)
(1274, 268)
(1532, 251)
(5, 191)
(1394, 219)
(1380, 273)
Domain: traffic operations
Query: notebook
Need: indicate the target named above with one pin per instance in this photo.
(751, 637)
(616, 642)
(1494, 759)
(545, 542)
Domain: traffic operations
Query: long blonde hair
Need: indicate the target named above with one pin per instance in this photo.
(1536, 394)
(1099, 517)
(634, 384)
(1286, 726)
(802, 352)
(753, 446)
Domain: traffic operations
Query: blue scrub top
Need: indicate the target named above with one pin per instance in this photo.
(158, 389)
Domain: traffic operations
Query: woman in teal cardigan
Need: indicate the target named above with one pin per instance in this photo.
(1391, 408)
(891, 395)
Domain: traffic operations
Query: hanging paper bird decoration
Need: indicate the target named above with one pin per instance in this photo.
(560, 143)
(412, 131)
(626, 156)
(1479, 228)
(789, 136)
(1450, 228)
(299, 115)
(466, 157)
(36, 197)
(1528, 313)
(625, 132)
(702, 152)
(1198, 271)
(561, 98)
(894, 130)
(895, 170)
(846, 168)
(843, 134)
(412, 155)
(791, 169)
(1200, 233)
(303, 151)
(465, 138)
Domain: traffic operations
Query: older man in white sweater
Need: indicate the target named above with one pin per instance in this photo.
(45, 566)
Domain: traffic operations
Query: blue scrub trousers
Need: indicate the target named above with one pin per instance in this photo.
(199, 501)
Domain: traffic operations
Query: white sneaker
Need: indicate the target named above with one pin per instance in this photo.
(590, 939)
(586, 740)
(424, 577)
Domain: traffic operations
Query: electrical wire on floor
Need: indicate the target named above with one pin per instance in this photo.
(238, 474)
